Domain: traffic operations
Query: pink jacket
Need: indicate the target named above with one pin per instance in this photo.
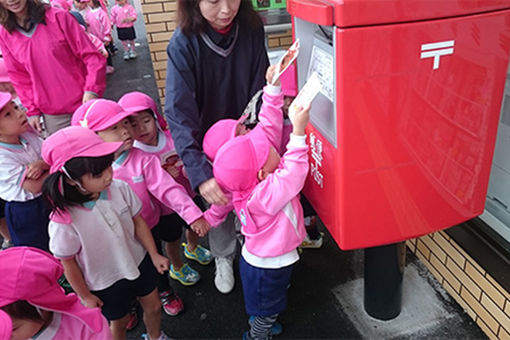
(118, 14)
(152, 183)
(271, 116)
(52, 68)
(273, 214)
(99, 24)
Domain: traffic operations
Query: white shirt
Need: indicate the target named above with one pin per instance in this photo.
(101, 237)
(14, 160)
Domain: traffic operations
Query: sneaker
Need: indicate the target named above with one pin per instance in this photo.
(200, 254)
(132, 54)
(309, 243)
(171, 303)
(224, 275)
(186, 275)
(109, 69)
(126, 56)
(6, 244)
(133, 319)
(276, 328)
(162, 336)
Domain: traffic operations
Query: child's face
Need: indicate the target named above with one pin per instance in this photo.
(219, 13)
(25, 329)
(144, 127)
(13, 121)
(287, 100)
(95, 184)
(120, 132)
(121, 2)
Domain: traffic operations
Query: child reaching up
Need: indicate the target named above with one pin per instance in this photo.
(265, 194)
(37, 306)
(97, 231)
(152, 136)
(123, 16)
(22, 173)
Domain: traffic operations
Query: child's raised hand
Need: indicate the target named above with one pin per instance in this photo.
(200, 227)
(91, 301)
(269, 75)
(160, 262)
(299, 118)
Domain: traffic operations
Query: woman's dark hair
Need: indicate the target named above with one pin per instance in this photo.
(22, 310)
(191, 21)
(36, 13)
(76, 168)
(96, 3)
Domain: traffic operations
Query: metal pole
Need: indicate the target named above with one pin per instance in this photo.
(384, 269)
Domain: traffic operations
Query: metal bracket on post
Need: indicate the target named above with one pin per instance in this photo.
(384, 269)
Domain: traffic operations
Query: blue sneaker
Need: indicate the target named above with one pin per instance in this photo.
(276, 328)
(200, 254)
(186, 275)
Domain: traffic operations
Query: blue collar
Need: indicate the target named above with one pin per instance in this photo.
(23, 143)
(122, 157)
(103, 195)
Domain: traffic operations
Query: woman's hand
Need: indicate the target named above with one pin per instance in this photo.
(35, 123)
(200, 227)
(211, 191)
(88, 96)
(91, 301)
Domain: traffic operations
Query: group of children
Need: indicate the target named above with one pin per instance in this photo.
(98, 20)
(116, 189)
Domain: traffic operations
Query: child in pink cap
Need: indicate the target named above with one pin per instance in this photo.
(265, 194)
(152, 136)
(37, 306)
(97, 231)
(22, 173)
(123, 16)
(143, 171)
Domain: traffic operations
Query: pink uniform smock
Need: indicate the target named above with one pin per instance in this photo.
(152, 183)
(53, 65)
(99, 24)
(119, 13)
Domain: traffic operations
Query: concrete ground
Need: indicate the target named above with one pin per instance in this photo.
(326, 294)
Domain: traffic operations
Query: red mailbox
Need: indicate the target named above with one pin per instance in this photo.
(403, 131)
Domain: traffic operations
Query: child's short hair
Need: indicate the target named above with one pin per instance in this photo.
(5, 325)
(21, 309)
(238, 161)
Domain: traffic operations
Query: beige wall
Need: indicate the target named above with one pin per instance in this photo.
(470, 285)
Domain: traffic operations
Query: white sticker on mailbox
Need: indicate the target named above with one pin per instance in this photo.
(321, 62)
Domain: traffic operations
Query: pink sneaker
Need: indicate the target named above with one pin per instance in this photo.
(109, 69)
(171, 303)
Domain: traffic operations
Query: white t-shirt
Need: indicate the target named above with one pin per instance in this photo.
(14, 160)
(101, 237)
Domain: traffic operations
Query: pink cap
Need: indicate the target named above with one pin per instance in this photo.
(135, 102)
(4, 76)
(288, 81)
(5, 325)
(63, 4)
(238, 161)
(218, 134)
(31, 274)
(98, 114)
(5, 98)
(71, 142)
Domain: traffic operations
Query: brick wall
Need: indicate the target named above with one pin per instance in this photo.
(475, 290)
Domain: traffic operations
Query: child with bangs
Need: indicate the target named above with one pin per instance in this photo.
(22, 173)
(97, 230)
(152, 136)
(143, 171)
